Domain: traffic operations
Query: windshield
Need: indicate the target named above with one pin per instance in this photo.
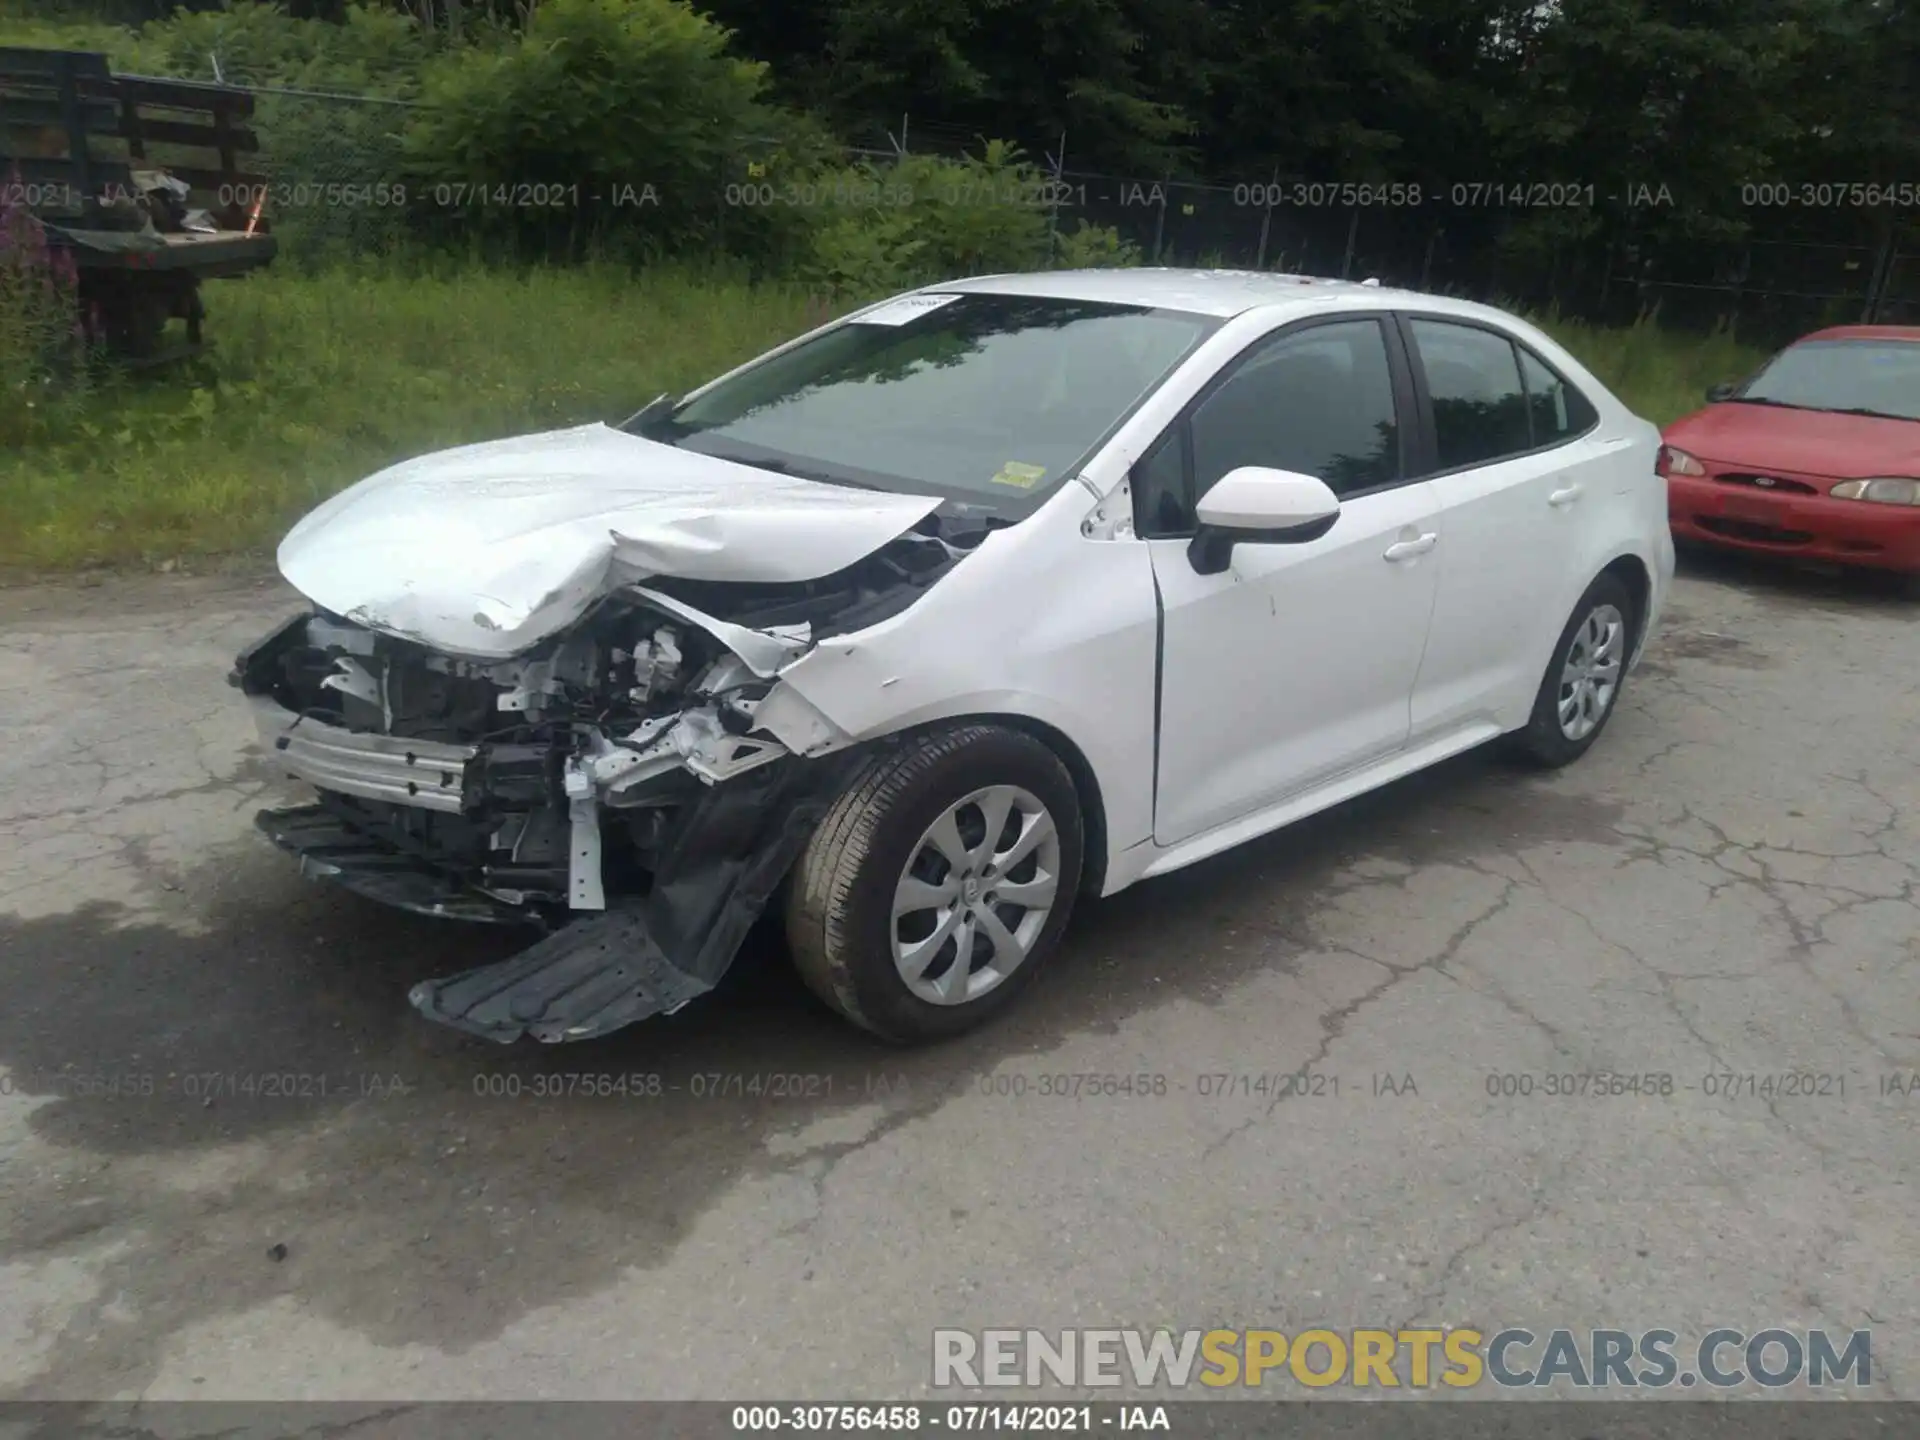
(1880, 377)
(988, 400)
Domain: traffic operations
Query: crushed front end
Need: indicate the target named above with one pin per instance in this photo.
(610, 787)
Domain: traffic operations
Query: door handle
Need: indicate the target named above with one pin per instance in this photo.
(1564, 497)
(1407, 549)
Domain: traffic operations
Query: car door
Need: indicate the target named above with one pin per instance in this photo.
(1298, 661)
(1502, 448)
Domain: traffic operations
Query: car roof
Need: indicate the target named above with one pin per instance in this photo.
(1221, 293)
(1909, 333)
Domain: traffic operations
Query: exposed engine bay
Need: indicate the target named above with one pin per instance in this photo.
(616, 770)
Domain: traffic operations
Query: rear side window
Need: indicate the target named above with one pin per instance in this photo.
(1480, 409)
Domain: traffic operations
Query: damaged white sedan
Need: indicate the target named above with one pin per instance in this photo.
(923, 625)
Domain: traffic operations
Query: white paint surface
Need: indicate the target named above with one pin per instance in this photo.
(487, 549)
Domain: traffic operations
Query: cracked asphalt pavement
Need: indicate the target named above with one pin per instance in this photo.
(234, 1163)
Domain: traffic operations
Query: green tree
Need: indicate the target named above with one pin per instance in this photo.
(631, 114)
(1100, 72)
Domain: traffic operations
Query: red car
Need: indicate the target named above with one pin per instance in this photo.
(1816, 457)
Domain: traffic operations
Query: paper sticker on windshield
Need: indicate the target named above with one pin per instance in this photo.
(907, 307)
(1021, 477)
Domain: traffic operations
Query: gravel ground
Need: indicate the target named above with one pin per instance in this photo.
(1724, 887)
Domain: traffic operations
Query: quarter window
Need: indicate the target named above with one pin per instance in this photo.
(1160, 504)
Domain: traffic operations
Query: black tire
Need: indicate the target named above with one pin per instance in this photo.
(840, 921)
(1543, 743)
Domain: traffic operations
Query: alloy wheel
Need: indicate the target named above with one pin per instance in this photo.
(1590, 674)
(975, 894)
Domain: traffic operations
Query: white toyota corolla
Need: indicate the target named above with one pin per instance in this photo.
(919, 627)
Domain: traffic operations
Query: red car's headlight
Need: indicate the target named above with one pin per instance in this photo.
(1674, 461)
(1887, 490)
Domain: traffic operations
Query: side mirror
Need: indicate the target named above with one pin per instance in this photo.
(1257, 506)
(1717, 393)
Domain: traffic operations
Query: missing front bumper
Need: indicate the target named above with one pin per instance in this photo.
(583, 980)
(329, 849)
(393, 769)
(648, 954)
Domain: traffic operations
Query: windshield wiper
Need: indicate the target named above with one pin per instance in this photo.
(1763, 400)
(784, 467)
(658, 408)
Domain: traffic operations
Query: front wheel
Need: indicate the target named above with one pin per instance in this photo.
(938, 882)
(1581, 688)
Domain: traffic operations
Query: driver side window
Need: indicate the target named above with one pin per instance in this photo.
(1318, 401)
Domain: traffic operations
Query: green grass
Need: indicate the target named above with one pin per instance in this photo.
(317, 380)
(1660, 374)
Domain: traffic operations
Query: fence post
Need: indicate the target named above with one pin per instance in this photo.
(1353, 232)
(1160, 220)
(1881, 276)
(1426, 262)
(1266, 222)
(1053, 209)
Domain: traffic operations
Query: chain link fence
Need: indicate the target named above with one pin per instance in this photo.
(336, 186)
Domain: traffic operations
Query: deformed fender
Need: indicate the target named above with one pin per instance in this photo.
(1074, 646)
(730, 853)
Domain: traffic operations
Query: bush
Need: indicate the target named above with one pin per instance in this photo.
(1095, 247)
(614, 120)
(40, 339)
(119, 43)
(371, 52)
(921, 219)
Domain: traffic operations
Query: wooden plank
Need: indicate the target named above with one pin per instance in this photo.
(225, 254)
(107, 174)
(28, 109)
(185, 94)
(34, 63)
(203, 137)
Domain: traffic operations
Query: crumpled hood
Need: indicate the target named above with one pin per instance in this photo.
(487, 549)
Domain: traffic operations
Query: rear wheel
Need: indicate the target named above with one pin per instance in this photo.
(938, 883)
(1578, 694)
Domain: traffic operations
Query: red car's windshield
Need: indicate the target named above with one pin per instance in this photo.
(1868, 377)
